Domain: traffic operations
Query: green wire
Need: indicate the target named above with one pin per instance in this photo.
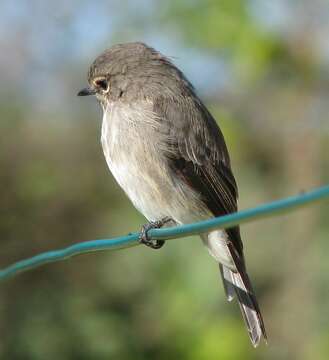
(267, 210)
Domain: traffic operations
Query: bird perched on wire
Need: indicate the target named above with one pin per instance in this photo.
(168, 154)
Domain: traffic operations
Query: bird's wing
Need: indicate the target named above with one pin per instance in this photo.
(197, 153)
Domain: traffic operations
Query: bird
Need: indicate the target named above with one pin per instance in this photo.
(168, 154)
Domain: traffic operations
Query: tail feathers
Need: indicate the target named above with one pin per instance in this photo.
(234, 284)
(227, 282)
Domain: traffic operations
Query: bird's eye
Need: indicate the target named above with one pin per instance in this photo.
(102, 84)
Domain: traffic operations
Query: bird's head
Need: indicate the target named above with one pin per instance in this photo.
(132, 71)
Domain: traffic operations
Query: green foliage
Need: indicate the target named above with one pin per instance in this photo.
(228, 29)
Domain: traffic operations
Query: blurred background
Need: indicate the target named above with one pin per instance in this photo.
(262, 67)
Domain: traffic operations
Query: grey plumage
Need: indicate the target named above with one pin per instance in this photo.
(168, 154)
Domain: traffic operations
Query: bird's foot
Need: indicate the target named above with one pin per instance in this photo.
(144, 238)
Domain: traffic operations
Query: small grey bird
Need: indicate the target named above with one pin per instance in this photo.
(168, 154)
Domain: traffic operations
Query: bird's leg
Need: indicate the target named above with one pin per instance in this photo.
(144, 238)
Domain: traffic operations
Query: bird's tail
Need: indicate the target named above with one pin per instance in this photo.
(238, 283)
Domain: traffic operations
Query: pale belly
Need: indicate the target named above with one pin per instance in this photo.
(141, 170)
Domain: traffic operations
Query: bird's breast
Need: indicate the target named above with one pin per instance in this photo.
(134, 148)
(130, 144)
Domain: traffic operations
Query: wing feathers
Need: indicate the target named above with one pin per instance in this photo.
(197, 153)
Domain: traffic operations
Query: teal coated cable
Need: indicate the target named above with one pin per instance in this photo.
(267, 210)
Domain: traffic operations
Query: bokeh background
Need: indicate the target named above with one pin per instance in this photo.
(262, 67)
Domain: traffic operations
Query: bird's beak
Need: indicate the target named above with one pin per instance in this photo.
(87, 91)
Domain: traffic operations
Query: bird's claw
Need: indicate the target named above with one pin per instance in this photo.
(144, 238)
